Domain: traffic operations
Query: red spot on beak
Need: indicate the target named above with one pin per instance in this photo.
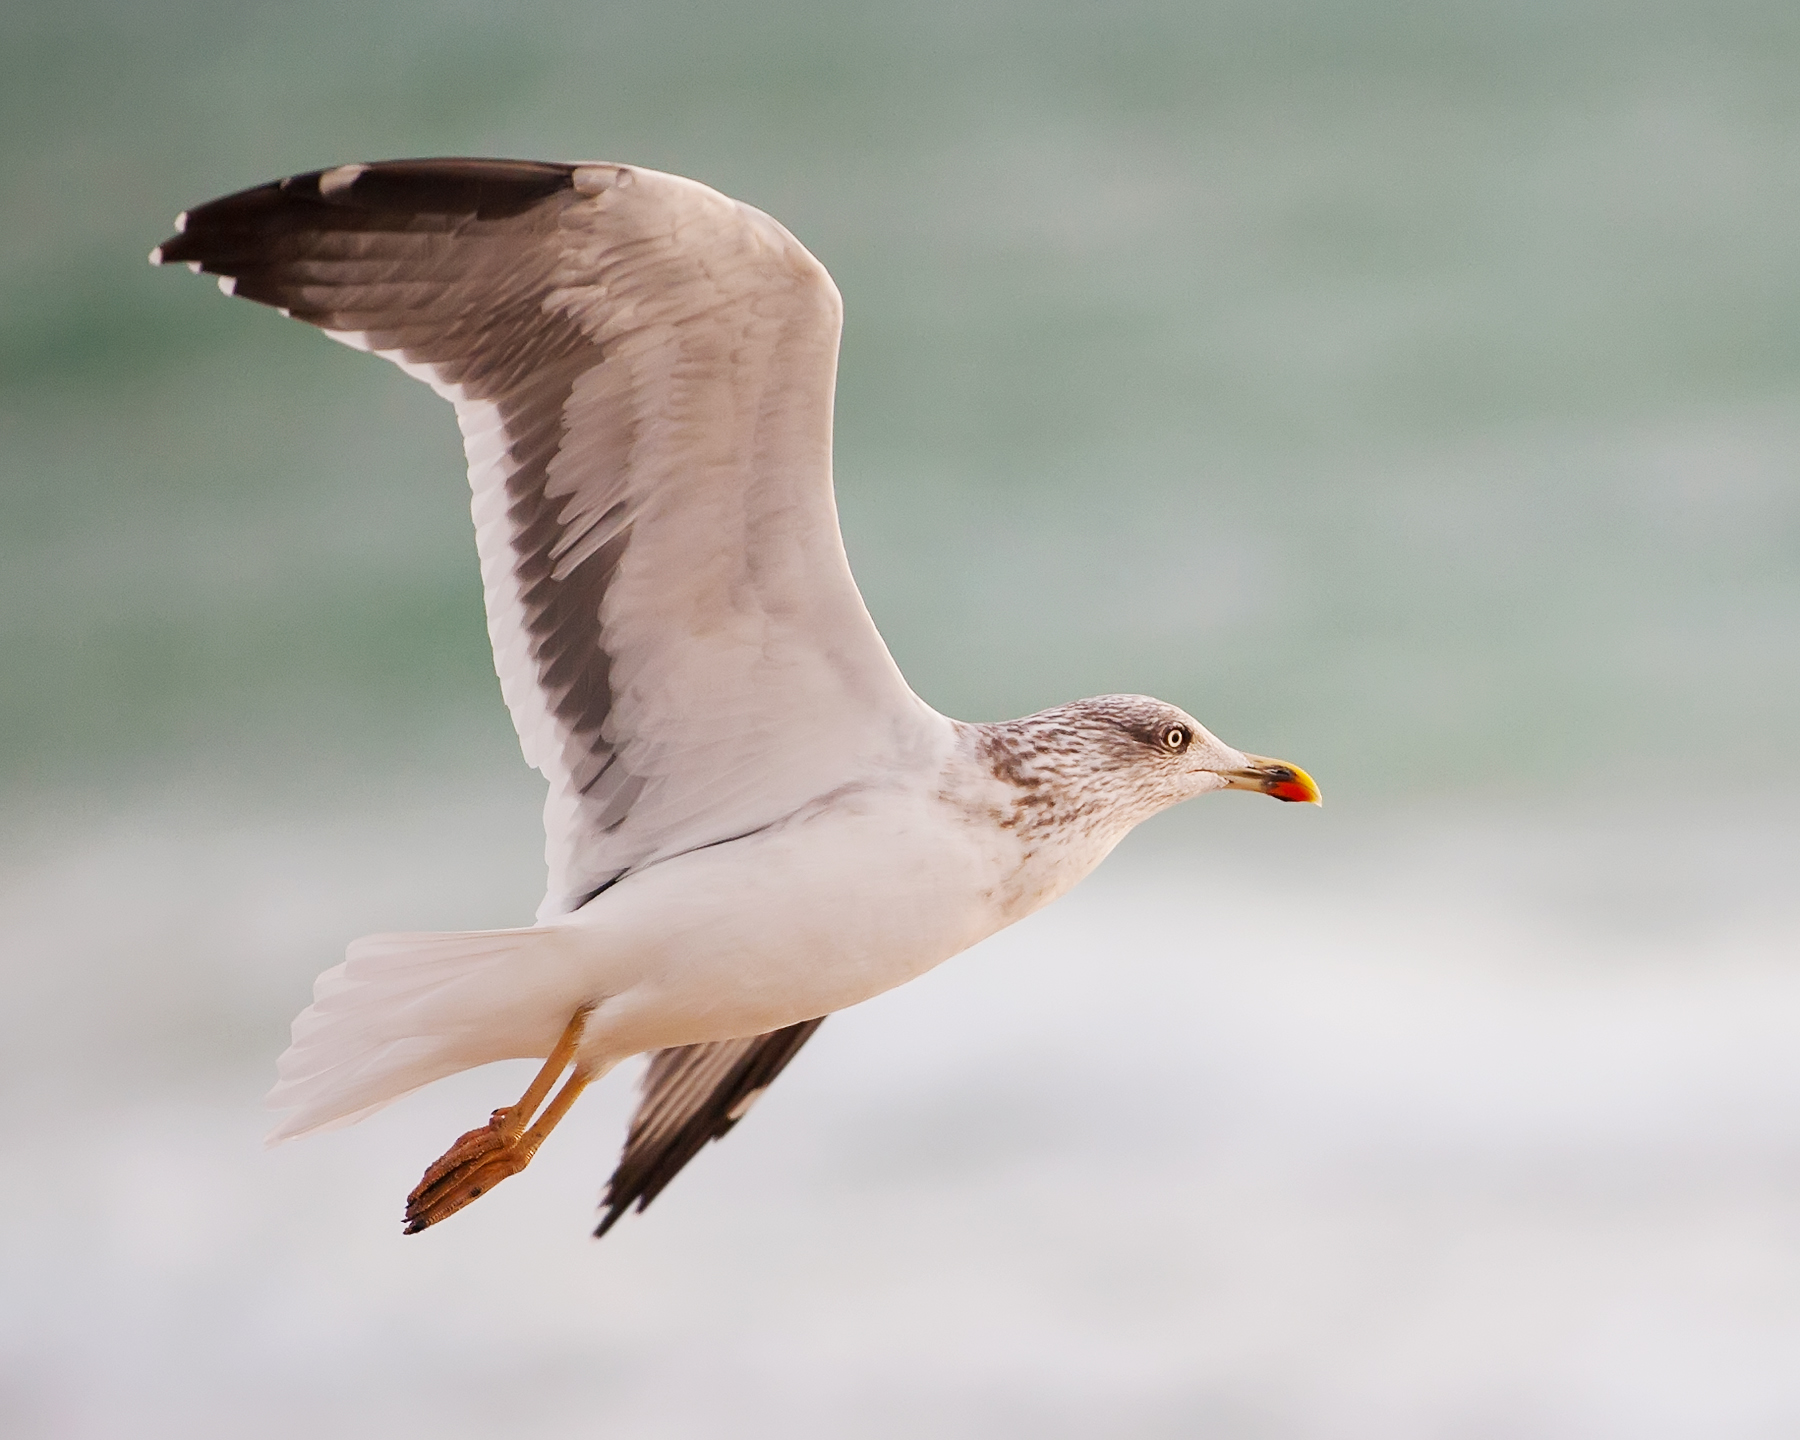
(1300, 788)
(1274, 777)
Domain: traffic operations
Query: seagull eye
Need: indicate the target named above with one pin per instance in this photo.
(1176, 738)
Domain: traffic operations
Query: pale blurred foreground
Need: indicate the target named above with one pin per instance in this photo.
(1378, 1128)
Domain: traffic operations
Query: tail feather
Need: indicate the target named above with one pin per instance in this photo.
(401, 1011)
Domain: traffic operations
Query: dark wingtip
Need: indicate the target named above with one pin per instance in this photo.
(610, 1219)
(644, 1171)
(238, 227)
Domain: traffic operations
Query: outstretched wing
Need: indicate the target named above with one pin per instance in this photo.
(693, 1094)
(643, 371)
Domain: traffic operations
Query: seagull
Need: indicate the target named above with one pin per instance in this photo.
(751, 821)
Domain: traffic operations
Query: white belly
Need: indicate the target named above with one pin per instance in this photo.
(817, 914)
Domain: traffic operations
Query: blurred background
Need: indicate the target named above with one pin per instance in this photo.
(1412, 390)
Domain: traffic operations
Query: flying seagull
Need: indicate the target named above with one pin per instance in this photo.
(752, 821)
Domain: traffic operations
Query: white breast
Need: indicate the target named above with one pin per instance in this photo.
(849, 899)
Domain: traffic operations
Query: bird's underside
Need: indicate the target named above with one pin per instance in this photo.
(643, 371)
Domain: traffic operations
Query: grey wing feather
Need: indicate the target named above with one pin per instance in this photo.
(693, 1094)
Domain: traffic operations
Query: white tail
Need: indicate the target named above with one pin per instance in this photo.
(404, 1010)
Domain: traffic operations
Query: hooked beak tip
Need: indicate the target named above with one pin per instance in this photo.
(1275, 777)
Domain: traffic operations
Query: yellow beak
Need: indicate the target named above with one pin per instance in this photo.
(1274, 777)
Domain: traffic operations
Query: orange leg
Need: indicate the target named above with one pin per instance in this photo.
(482, 1158)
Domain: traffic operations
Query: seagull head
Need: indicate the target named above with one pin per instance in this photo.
(1129, 756)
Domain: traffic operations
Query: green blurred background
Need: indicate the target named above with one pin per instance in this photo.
(1409, 386)
(1409, 389)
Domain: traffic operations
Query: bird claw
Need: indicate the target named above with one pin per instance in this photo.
(474, 1165)
(468, 1151)
(481, 1158)
(482, 1141)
